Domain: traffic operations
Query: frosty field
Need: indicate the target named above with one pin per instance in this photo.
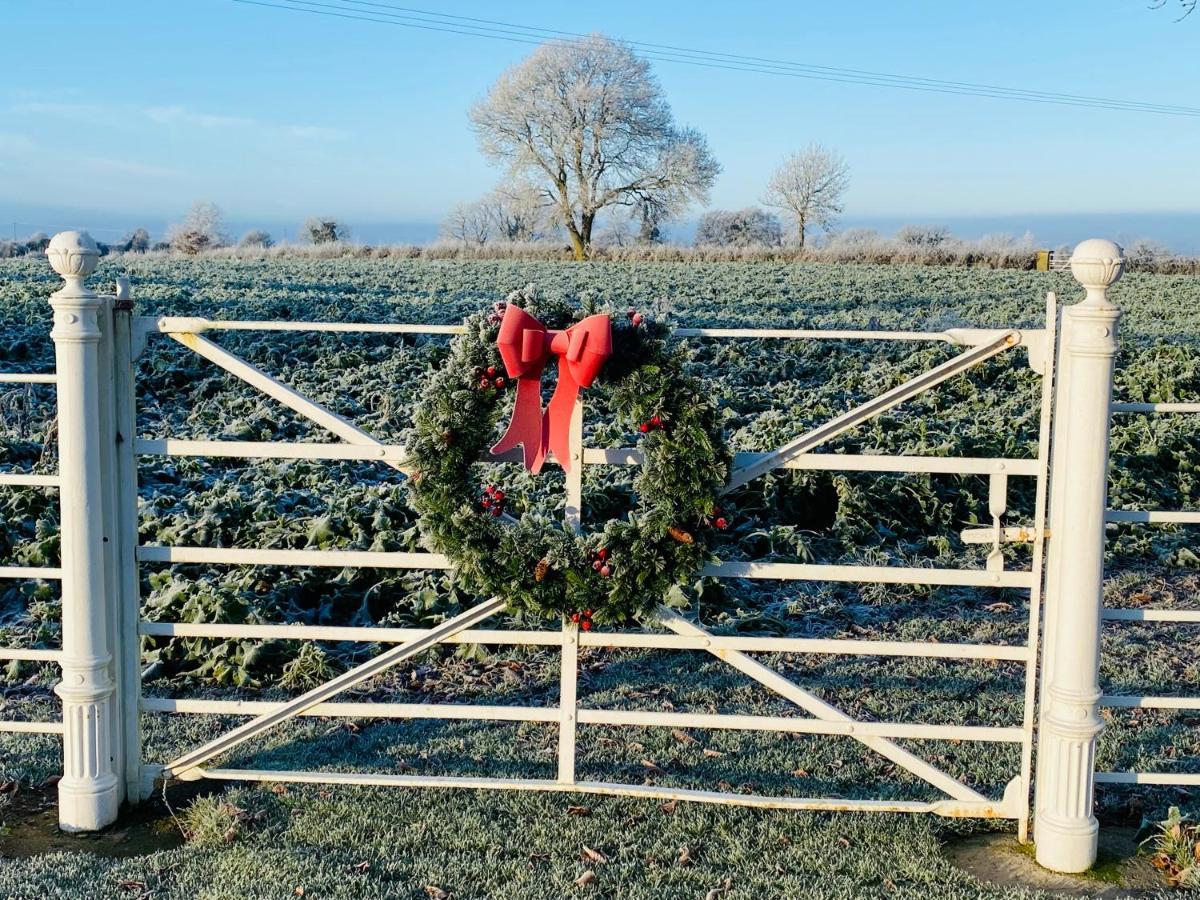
(530, 845)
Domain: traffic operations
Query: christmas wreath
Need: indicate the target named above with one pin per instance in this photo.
(510, 546)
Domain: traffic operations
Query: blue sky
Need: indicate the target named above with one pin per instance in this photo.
(134, 109)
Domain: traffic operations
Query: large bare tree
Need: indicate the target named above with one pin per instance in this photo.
(809, 187)
(588, 122)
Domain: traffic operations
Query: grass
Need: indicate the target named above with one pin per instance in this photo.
(265, 840)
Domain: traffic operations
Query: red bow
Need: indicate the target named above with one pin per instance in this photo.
(525, 345)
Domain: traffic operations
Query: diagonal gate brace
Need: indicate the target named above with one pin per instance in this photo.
(187, 766)
(257, 378)
(826, 712)
(872, 408)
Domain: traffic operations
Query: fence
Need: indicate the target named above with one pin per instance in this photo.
(97, 339)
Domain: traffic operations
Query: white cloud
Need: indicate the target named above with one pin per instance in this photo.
(181, 115)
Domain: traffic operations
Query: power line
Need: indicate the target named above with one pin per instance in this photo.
(499, 30)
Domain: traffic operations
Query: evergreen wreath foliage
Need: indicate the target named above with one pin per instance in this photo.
(537, 563)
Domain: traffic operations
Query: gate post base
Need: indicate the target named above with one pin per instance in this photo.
(87, 806)
(1066, 845)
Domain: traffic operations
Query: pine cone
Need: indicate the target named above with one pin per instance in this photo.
(540, 570)
(684, 537)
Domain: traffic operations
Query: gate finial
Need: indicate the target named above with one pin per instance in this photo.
(1097, 264)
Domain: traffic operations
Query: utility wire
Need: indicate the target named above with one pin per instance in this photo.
(428, 15)
(426, 21)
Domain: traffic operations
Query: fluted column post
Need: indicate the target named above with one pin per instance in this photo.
(1065, 829)
(88, 794)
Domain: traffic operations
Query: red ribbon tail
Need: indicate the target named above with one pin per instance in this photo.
(526, 426)
(558, 415)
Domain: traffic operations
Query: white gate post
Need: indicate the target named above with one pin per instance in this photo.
(1065, 830)
(88, 794)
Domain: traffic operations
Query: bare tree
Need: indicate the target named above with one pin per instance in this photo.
(199, 231)
(468, 223)
(517, 212)
(588, 122)
(809, 187)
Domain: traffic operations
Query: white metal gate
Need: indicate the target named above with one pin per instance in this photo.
(98, 338)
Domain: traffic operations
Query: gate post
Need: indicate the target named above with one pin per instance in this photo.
(88, 794)
(1065, 829)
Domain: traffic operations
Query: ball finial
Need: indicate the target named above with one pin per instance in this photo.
(1097, 264)
(73, 255)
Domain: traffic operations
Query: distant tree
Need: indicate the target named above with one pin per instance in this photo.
(256, 237)
(750, 227)
(324, 230)
(588, 122)
(926, 237)
(650, 217)
(37, 242)
(468, 223)
(137, 241)
(199, 231)
(809, 188)
(516, 212)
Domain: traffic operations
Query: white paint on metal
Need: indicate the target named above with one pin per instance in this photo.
(32, 727)
(1153, 516)
(1180, 779)
(88, 793)
(1181, 616)
(1065, 826)
(371, 710)
(1155, 407)
(186, 766)
(31, 654)
(1000, 342)
(26, 378)
(1126, 701)
(20, 480)
(847, 462)
(46, 573)
(812, 704)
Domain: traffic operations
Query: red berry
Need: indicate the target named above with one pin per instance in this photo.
(602, 553)
(586, 626)
(605, 571)
(574, 617)
(491, 371)
(484, 383)
(597, 565)
(587, 613)
(630, 312)
(490, 489)
(486, 502)
(500, 381)
(721, 524)
(656, 422)
(499, 495)
(637, 319)
(497, 511)
(643, 428)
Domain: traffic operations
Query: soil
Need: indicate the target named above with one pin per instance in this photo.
(1119, 871)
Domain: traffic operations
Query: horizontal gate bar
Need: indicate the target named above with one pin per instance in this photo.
(909, 730)
(950, 808)
(270, 450)
(1128, 701)
(27, 378)
(958, 336)
(643, 640)
(869, 574)
(360, 559)
(641, 718)
(22, 480)
(1154, 516)
(1151, 615)
(30, 655)
(356, 710)
(32, 727)
(621, 456)
(850, 462)
(30, 572)
(368, 559)
(1181, 778)
(1155, 407)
